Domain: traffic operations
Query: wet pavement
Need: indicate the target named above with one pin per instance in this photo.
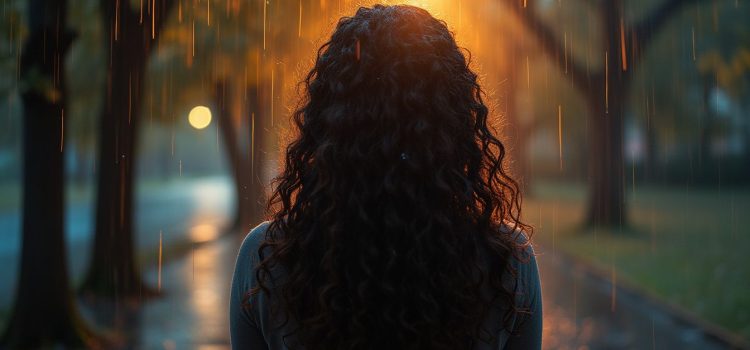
(193, 313)
(579, 312)
(584, 311)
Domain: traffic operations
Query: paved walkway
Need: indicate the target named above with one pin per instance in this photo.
(583, 311)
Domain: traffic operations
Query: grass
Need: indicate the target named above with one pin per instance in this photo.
(686, 246)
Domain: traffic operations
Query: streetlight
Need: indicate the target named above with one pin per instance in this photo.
(199, 117)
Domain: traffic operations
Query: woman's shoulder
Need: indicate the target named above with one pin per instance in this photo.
(524, 249)
(522, 260)
(253, 239)
(258, 232)
(247, 256)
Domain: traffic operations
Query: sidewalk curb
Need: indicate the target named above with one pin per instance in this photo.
(679, 313)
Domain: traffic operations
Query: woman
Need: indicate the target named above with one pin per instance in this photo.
(394, 224)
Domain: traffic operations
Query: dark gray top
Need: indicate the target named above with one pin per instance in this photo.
(251, 329)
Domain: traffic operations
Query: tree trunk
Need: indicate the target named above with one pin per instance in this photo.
(746, 137)
(650, 171)
(245, 166)
(606, 101)
(606, 204)
(45, 313)
(113, 271)
(707, 126)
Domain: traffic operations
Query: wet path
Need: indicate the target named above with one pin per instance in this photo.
(583, 312)
(194, 313)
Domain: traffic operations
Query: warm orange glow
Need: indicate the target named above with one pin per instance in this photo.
(559, 134)
(199, 117)
(622, 46)
(203, 233)
(606, 82)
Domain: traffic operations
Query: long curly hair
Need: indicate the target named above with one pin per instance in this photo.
(394, 212)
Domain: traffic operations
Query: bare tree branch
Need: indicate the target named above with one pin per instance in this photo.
(151, 25)
(550, 43)
(162, 15)
(646, 29)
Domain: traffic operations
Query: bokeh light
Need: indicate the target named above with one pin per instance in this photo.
(199, 117)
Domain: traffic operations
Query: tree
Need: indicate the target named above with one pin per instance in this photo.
(213, 56)
(87, 58)
(605, 89)
(245, 166)
(133, 34)
(238, 61)
(45, 312)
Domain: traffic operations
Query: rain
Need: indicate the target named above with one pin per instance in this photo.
(139, 140)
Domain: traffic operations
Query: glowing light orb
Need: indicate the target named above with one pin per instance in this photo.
(199, 117)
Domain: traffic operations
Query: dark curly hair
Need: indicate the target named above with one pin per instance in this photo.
(394, 208)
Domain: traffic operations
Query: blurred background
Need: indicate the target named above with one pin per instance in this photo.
(138, 139)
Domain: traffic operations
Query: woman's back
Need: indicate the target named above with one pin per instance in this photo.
(393, 223)
(253, 326)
